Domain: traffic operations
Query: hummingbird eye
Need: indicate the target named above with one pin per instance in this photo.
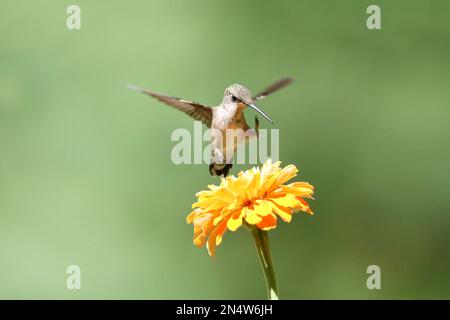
(233, 98)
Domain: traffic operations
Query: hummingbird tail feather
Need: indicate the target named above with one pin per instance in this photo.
(216, 169)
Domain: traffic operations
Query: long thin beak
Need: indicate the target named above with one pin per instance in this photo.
(254, 107)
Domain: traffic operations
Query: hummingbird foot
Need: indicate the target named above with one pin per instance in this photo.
(220, 169)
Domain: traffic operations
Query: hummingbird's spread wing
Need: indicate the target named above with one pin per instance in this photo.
(272, 88)
(194, 109)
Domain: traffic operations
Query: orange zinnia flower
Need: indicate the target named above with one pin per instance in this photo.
(256, 197)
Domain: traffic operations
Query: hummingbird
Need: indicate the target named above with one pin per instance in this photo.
(228, 115)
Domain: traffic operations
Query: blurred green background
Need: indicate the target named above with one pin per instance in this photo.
(85, 170)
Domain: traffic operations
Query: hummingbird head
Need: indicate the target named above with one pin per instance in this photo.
(237, 93)
(239, 97)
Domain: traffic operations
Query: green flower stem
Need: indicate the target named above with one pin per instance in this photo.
(261, 239)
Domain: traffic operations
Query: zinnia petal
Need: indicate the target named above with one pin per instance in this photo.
(263, 207)
(284, 213)
(251, 216)
(268, 222)
(289, 200)
(235, 221)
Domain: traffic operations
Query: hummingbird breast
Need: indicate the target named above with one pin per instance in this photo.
(229, 117)
(227, 133)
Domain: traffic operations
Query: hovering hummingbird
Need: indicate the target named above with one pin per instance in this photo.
(228, 115)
